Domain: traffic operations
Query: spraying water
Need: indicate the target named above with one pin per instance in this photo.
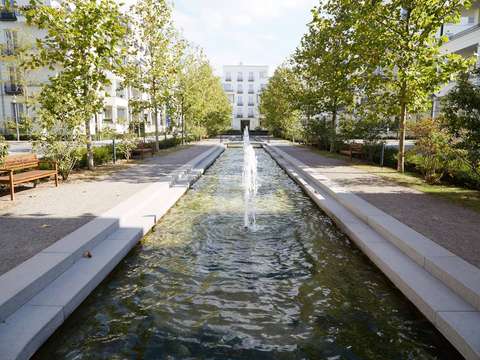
(249, 180)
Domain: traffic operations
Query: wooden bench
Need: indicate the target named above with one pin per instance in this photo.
(353, 149)
(31, 164)
(143, 149)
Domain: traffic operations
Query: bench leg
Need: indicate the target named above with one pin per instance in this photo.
(56, 180)
(12, 187)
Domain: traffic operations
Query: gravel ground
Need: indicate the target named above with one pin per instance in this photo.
(41, 216)
(450, 225)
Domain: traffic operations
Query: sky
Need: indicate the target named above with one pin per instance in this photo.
(255, 32)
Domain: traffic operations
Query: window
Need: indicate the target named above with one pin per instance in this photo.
(228, 76)
(239, 113)
(227, 87)
(251, 77)
(120, 90)
(471, 20)
(121, 115)
(263, 74)
(240, 76)
(250, 100)
(107, 114)
(11, 42)
(250, 113)
(263, 86)
(240, 100)
(240, 89)
(250, 89)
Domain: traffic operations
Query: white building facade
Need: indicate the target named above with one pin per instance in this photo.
(18, 89)
(243, 85)
(464, 39)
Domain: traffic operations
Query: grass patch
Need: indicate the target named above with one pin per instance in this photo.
(465, 197)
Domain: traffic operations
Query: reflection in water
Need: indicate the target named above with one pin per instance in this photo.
(201, 287)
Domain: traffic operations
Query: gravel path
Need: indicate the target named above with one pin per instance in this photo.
(450, 225)
(41, 216)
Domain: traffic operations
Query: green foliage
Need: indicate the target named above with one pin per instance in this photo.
(3, 150)
(84, 42)
(462, 118)
(127, 145)
(277, 104)
(65, 153)
(101, 155)
(432, 153)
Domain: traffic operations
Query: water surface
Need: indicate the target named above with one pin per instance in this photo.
(202, 287)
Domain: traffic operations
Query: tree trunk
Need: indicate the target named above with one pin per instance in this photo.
(157, 143)
(165, 125)
(402, 126)
(88, 133)
(334, 130)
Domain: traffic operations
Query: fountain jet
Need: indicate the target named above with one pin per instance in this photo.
(249, 180)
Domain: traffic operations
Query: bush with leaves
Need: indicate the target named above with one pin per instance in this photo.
(3, 150)
(127, 145)
(462, 118)
(433, 152)
(65, 153)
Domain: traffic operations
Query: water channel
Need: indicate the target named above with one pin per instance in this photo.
(201, 286)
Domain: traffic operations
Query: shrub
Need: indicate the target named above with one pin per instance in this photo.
(432, 153)
(65, 153)
(127, 145)
(101, 155)
(3, 150)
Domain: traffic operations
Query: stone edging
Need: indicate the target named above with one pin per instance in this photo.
(402, 255)
(38, 295)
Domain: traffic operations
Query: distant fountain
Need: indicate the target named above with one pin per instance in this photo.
(249, 181)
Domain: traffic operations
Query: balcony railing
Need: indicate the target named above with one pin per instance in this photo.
(8, 15)
(251, 116)
(251, 79)
(239, 116)
(9, 50)
(13, 89)
(251, 104)
(240, 104)
(464, 32)
(239, 91)
(251, 92)
(228, 79)
(240, 79)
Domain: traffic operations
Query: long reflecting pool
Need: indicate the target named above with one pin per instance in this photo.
(201, 287)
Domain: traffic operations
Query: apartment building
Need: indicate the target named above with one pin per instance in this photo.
(464, 39)
(243, 85)
(18, 89)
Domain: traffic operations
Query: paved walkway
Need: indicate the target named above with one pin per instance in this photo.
(41, 216)
(449, 225)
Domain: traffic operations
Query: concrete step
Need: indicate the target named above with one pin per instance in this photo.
(24, 327)
(452, 315)
(462, 277)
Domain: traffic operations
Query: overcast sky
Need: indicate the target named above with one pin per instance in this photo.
(255, 32)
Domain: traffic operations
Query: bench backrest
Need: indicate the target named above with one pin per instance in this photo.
(356, 147)
(19, 162)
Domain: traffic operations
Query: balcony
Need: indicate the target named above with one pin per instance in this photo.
(9, 50)
(239, 91)
(240, 79)
(251, 92)
(251, 104)
(459, 34)
(251, 116)
(239, 116)
(13, 89)
(240, 104)
(228, 79)
(251, 79)
(8, 15)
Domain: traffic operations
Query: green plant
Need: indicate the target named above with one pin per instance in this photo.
(462, 118)
(65, 153)
(432, 153)
(3, 150)
(127, 145)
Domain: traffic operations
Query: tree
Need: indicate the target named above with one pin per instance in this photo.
(412, 66)
(278, 106)
(326, 61)
(156, 57)
(199, 98)
(3, 150)
(462, 118)
(84, 43)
